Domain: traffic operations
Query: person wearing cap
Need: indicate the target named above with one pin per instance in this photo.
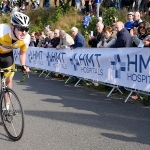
(129, 24)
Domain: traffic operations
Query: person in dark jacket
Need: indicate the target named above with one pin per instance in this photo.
(79, 40)
(97, 36)
(123, 36)
(123, 39)
(56, 39)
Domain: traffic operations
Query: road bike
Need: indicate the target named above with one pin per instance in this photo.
(12, 117)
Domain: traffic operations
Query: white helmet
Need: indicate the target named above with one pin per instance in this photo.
(20, 19)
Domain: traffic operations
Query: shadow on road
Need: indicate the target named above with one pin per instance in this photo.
(100, 112)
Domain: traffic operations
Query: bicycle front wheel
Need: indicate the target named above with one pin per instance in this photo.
(13, 118)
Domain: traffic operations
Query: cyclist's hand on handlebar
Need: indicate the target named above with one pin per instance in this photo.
(25, 69)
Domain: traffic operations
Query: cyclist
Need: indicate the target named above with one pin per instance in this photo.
(13, 37)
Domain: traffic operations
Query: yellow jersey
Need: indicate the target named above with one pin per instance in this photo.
(6, 44)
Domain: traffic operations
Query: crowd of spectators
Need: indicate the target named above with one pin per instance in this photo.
(10, 6)
(93, 6)
(133, 33)
(58, 39)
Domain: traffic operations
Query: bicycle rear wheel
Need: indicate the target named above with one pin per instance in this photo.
(13, 119)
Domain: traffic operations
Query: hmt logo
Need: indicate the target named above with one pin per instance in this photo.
(87, 63)
(74, 62)
(118, 66)
(35, 57)
(56, 59)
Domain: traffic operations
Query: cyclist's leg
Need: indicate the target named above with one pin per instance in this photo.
(9, 78)
(9, 75)
(7, 62)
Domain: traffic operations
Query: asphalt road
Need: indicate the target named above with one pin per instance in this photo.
(64, 117)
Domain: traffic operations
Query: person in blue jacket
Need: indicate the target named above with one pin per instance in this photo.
(86, 20)
(79, 40)
(129, 24)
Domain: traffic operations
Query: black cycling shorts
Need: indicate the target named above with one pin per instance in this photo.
(6, 60)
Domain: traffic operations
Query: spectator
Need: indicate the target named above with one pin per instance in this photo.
(78, 5)
(27, 4)
(55, 3)
(140, 35)
(141, 38)
(37, 36)
(97, 6)
(123, 39)
(143, 7)
(65, 40)
(47, 28)
(47, 6)
(82, 7)
(134, 4)
(116, 3)
(129, 24)
(126, 3)
(109, 38)
(139, 3)
(86, 20)
(33, 40)
(51, 41)
(137, 19)
(86, 6)
(90, 7)
(97, 36)
(148, 5)
(23, 7)
(5, 7)
(41, 40)
(34, 5)
(100, 19)
(14, 9)
(56, 39)
(79, 40)
(123, 36)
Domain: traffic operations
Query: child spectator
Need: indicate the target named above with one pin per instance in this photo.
(130, 22)
(86, 20)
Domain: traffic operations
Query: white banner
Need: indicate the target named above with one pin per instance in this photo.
(129, 67)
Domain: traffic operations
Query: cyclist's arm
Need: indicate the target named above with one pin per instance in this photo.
(22, 57)
(23, 50)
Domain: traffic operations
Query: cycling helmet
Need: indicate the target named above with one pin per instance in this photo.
(20, 19)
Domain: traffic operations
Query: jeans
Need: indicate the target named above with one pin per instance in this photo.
(117, 3)
(139, 3)
(97, 6)
(78, 6)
